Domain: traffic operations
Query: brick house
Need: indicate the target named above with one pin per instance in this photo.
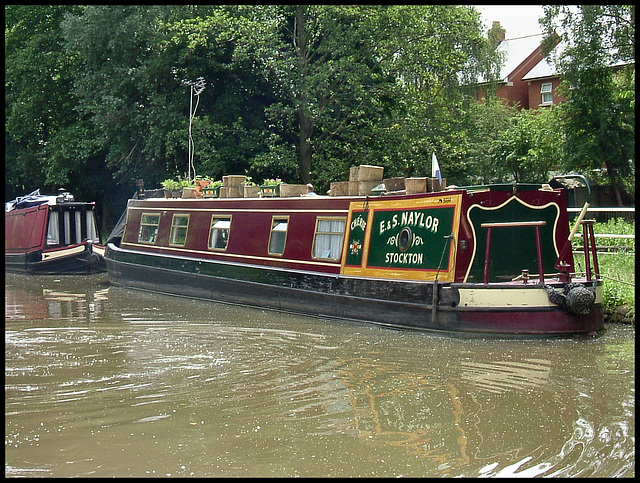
(526, 79)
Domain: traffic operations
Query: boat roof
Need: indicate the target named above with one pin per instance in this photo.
(35, 198)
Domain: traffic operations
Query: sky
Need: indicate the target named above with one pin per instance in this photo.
(517, 20)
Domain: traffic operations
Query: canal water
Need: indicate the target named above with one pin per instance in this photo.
(105, 381)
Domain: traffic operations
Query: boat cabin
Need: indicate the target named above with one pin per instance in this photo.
(447, 236)
(51, 234)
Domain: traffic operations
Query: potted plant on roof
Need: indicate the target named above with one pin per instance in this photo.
(172, 188)
(270, 187)
(212, 190)
(201, 182)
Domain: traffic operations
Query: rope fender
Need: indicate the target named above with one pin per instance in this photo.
(574, 298)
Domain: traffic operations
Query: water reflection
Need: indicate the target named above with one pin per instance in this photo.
(31, 299)
(102, 381)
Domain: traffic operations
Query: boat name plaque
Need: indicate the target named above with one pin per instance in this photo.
(403, 236)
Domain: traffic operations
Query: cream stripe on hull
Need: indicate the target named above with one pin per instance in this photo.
(63, 252)
(509, 298)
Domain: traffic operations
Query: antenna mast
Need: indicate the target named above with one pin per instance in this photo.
(196, 88)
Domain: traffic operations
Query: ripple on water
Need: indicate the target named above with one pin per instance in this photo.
(187, 388)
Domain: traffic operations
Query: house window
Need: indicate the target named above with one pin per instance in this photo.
(547, 94)
(179, 225)
(328, 238)
(278, 236)
(219, 234)
(149, 227)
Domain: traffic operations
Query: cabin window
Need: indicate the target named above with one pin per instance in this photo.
(179, 226)
(219, 235)
(53, 230)
(278, 235)
(328, 238)
(149, 227)
(547, 93)
(92, 229)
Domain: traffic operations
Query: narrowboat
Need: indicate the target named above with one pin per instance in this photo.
(482, 260)
(52, 235)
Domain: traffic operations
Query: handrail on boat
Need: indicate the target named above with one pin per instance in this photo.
(588, 236)
(561, 264)
(513, 224)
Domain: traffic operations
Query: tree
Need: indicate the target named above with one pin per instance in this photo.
(38, 94)
(125, 87)
(351, 84)
(598, 66)
(528, 151)
(98, 95)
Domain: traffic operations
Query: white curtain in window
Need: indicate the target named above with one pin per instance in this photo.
(329, 239)
(78, 217)
(92, 231)
(53, 230)
(67, 227)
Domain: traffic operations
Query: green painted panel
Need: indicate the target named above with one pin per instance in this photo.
(411, 238)
(356, 238)
(513, 249)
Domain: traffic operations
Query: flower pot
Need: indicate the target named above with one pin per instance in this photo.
(211, 191)
(172, 193)
(200, 184)
(270, 190)
(189, 193)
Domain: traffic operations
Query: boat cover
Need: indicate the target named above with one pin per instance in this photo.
(35, 198)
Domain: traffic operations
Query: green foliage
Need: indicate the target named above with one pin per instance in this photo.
(185, 183)
(529, 149)
(171, 184)
(38, 97)
(599, 117)
(97, 96)
(616, 226)
(619, 287)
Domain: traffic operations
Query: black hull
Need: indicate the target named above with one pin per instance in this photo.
(401, 304)
(84, 263)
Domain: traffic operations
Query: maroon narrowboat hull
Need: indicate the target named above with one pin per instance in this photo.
(416, 262)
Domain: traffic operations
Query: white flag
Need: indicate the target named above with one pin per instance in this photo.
(435, 168)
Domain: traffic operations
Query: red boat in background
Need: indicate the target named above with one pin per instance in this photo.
(52, 235)
(493, 259)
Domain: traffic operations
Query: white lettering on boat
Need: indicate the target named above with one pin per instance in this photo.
(359, 222)
(405, 258)
(411, 218)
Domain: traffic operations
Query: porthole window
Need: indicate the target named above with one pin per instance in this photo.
(405, 239)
